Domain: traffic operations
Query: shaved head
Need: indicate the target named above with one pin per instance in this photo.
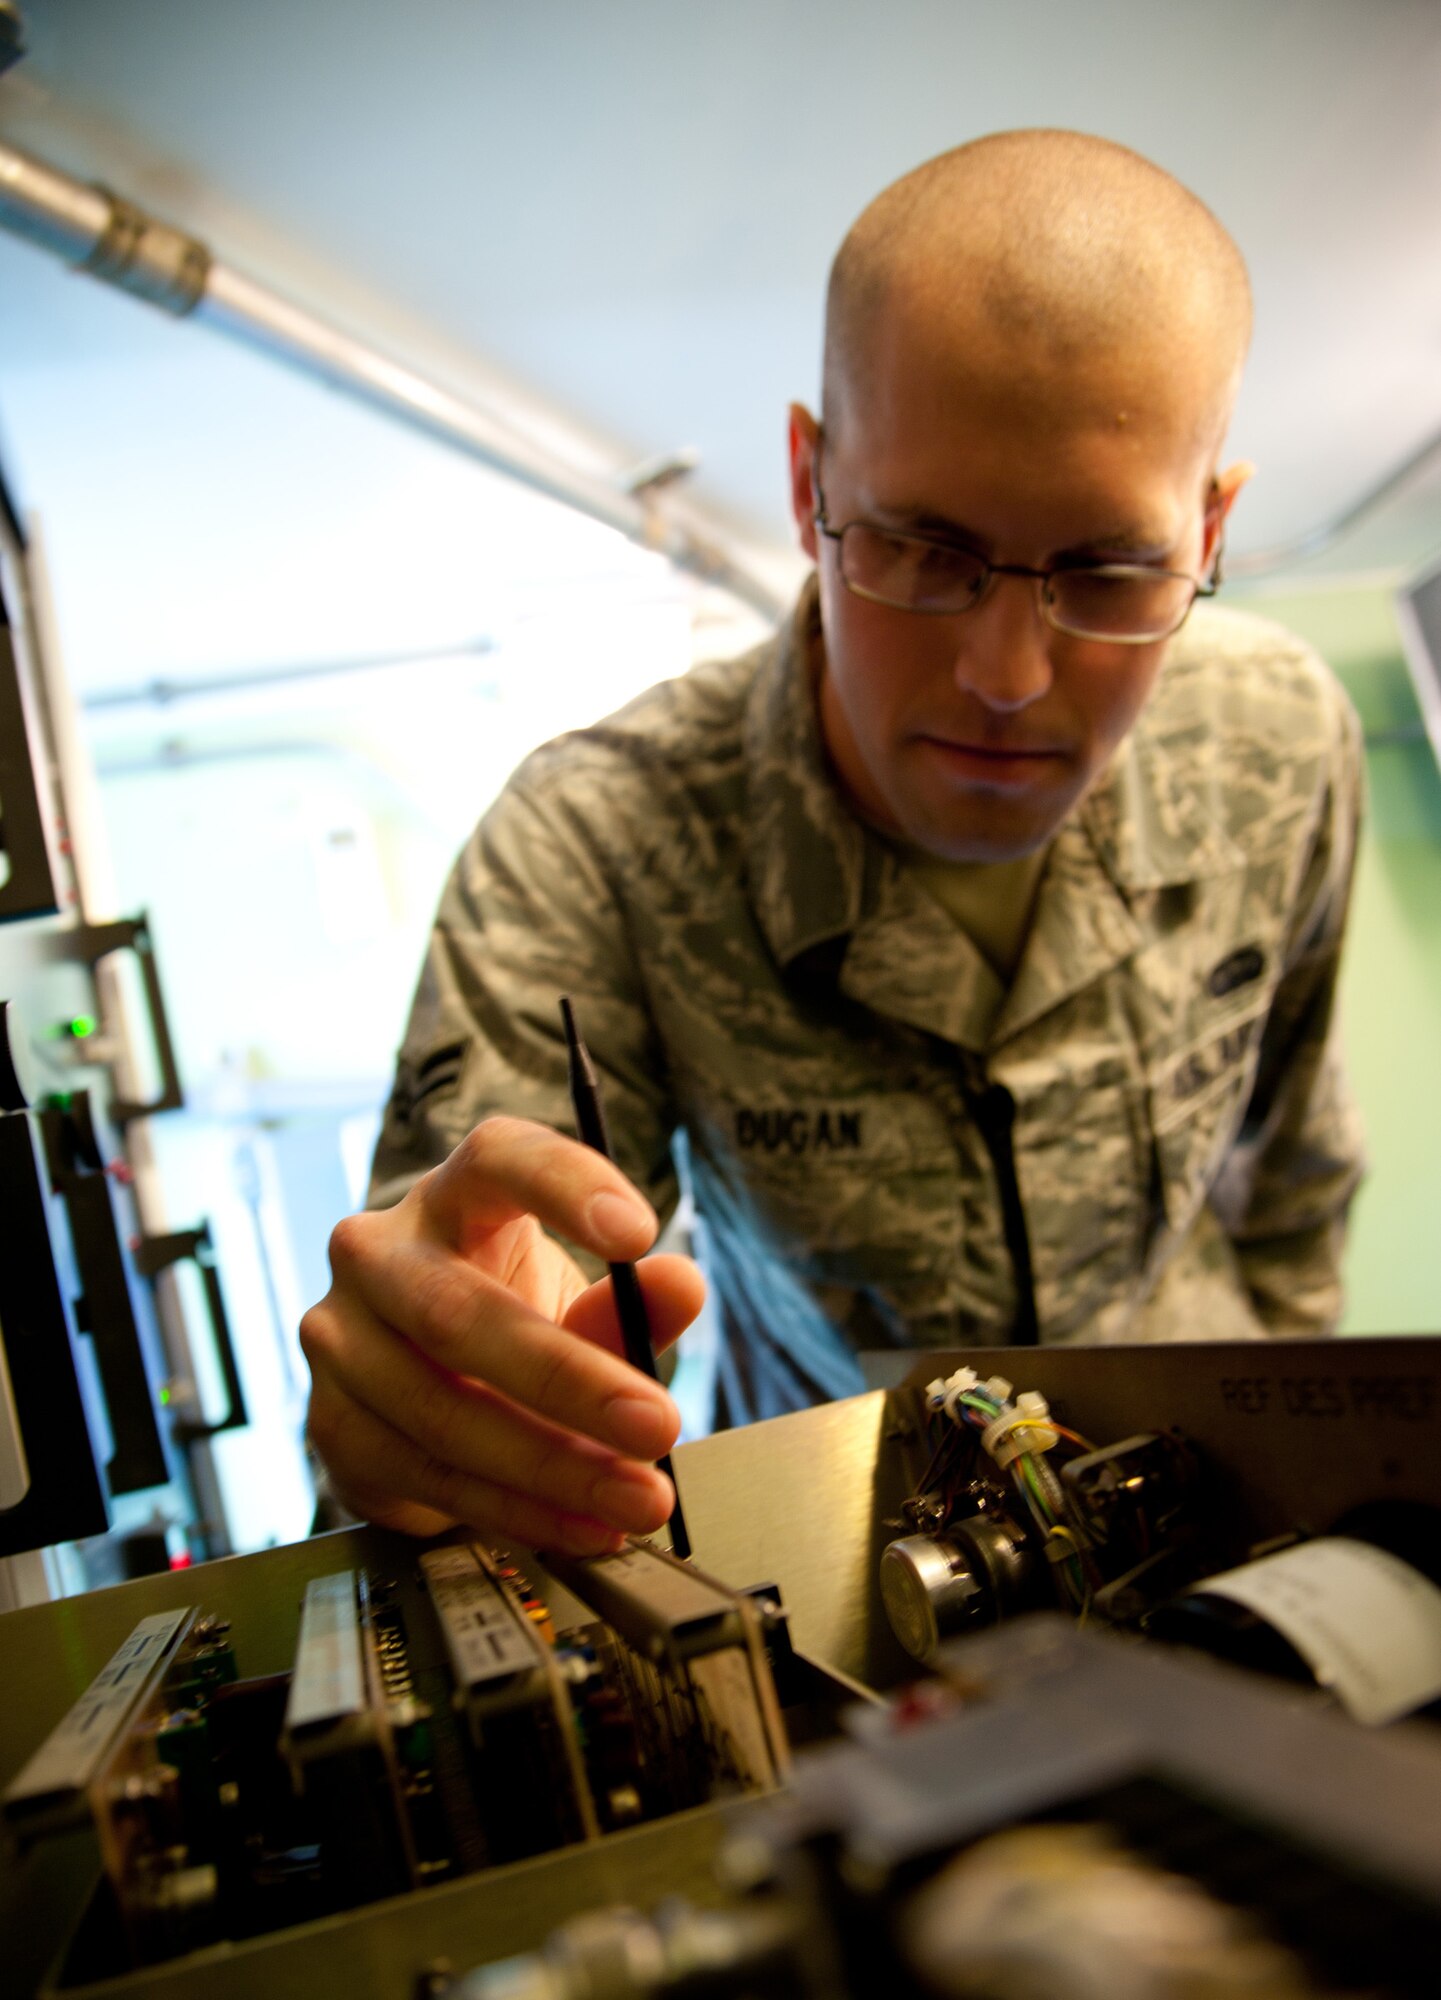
(1033, 345)
(1059, 252)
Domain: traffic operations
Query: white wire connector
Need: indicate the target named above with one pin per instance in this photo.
(945, 1393)
(1023, 1427)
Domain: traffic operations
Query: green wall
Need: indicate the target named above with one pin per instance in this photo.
(1391, 988)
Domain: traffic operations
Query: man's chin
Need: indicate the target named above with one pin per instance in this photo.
(971, 821)
(979, 853)
(985, 835)
(971, 812)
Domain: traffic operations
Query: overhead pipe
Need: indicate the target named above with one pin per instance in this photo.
(161, 693)
(1283, 555)
(112, 238)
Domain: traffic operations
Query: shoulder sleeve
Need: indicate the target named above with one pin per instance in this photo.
(1299, 1159)
(528, 914)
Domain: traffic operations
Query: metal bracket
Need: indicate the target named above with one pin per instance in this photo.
(154, 1254)
(96, 941)
(104, 1310)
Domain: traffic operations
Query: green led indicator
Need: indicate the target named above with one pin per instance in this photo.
(164, 1398)
(81, 1026)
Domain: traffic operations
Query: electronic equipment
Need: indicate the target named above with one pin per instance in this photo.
(1015, 1509)
(1059, 1814)
(369, 1765)
(102, 1428)
(449, 1712)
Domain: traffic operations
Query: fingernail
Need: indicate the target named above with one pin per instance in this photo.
(630, 1503)
(644, 1426)
(614, 1219)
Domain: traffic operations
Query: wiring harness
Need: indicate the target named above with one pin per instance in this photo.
(1016, 1432)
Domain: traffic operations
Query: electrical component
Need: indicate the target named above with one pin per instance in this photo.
(991, 1538)
(1016, 1508)
(1059, 1814)
(318, 1799)
(1356, 1612)
(467, 1713)
(935, 1587)
(508, 1689)
(694, 1663)
(131, 1756)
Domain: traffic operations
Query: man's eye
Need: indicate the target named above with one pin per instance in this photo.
(933, 559)
(910, 570)
(900, 559)
(928, 562)
(1124, 601)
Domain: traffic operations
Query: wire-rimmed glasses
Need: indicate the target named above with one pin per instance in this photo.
(1123, 604)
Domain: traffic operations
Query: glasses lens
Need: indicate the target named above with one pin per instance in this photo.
(1119, 603)
(909, 572)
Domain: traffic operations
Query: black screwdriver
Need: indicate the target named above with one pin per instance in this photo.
(629, 1298)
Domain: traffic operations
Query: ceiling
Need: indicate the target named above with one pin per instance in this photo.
(626, 210)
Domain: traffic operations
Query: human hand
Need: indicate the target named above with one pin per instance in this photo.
(465, 1370)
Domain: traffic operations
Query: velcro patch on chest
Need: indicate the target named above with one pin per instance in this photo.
(1193, 1076)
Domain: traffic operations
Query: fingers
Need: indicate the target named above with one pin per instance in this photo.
(509, 1167)
(674, 1293)
(445, 1390)
(474, 1432)
(404, 1489)
(472, 1325)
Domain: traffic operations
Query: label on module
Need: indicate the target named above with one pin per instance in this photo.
(328, 1683)
(485, 1639)
(69, 1757)
(1367, 1624)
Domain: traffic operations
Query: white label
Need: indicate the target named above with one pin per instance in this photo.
(485, 1642)
(1366, 1623)
(68, 1759)
(327, 1683)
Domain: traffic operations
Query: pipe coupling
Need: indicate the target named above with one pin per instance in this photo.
(151, 259)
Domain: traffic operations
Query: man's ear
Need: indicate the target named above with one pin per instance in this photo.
(1225, 488)
(805, 437)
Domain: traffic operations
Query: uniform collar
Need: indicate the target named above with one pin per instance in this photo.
(817, 875)
(1156, 818)
(1150, 823)
(808, 853)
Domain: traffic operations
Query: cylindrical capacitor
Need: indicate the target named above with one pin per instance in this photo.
(935, 1587)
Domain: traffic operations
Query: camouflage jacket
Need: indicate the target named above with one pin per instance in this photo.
(1150, 1140)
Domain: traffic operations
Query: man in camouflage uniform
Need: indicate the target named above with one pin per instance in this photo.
(978, 935)
(859, 1093)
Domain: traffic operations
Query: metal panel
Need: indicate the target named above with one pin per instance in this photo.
(799, 1502)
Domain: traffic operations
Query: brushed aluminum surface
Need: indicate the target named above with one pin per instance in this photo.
(800, 1502)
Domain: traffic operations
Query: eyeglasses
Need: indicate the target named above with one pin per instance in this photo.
(1124, 604)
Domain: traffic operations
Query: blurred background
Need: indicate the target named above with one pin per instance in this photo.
(307, 643)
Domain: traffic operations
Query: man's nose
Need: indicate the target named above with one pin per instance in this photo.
(1003, 651)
